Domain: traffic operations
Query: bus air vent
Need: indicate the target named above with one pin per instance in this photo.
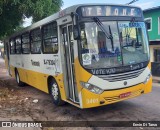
(122, 76)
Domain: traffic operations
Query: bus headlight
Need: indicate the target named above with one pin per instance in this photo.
(147, 78)
(92, 88)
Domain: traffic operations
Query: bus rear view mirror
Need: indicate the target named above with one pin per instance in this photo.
(76, 32)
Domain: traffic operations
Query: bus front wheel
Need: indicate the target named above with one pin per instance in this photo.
(55, 94)
(19, 82)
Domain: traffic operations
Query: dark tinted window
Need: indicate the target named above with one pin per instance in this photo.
(25, 43)
(36, 41)
(18, 45)
(12, 46)
(148, 22)
(157, 55)
(50, 38)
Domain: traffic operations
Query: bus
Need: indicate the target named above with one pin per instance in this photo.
(88, 55)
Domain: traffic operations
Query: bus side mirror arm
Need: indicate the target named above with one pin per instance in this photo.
(76, 31)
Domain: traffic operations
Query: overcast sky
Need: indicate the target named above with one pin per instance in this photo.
(144, 4)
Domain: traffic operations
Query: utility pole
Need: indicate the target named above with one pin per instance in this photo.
(133, 1)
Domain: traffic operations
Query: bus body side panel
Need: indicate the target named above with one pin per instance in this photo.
(81, 75)
(35, 69)
(148, 85)
(36, 79)
(12, 69)
(39, 80)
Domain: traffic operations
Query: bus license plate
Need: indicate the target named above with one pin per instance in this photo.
(124, 95)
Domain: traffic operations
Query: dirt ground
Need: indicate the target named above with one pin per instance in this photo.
(17, 104)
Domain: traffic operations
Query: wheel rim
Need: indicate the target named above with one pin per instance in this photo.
(55, 91)
(17, 77)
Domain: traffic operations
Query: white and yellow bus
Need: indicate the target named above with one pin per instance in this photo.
(88, 55)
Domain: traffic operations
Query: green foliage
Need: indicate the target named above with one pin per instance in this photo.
(13, 11)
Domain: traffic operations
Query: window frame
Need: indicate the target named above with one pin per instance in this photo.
(42, 30)
(25, 43)
(31, 42)
(149, 18)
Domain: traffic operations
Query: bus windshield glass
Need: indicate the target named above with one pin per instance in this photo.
(127, 44)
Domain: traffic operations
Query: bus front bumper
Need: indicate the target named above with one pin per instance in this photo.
(90, 99)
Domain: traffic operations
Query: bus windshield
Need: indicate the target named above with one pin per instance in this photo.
(128, 45)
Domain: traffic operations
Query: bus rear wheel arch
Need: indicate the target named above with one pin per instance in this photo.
(54, 91)
(18, 79)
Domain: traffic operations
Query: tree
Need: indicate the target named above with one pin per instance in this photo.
(12, 12)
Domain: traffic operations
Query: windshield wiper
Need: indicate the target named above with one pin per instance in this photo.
(102, 27)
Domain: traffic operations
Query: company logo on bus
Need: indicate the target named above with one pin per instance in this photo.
(111, 11)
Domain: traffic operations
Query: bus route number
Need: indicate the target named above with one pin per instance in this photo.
(92, 100)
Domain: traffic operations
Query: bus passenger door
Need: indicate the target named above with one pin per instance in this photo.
(69, 63)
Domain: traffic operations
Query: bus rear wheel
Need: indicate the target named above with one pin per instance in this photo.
(55, 94)
(19, 82)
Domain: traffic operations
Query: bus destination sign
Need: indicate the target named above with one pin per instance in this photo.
(111, 11)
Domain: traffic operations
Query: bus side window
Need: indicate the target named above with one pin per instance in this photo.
(12, 46)
(25, 43)
(50, 38)
(36, 41)
(18, 45)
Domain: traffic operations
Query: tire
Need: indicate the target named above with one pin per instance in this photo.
(19, 82)
(55, 94)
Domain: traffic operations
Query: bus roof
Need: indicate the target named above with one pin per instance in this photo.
(60, 14)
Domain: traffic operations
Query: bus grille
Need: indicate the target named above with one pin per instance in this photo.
(122, 76)
(117, 98)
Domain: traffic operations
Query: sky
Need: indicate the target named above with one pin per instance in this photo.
(144, 4)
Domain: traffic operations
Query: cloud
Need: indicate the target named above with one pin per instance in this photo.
(145, 5)
(27, 22)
